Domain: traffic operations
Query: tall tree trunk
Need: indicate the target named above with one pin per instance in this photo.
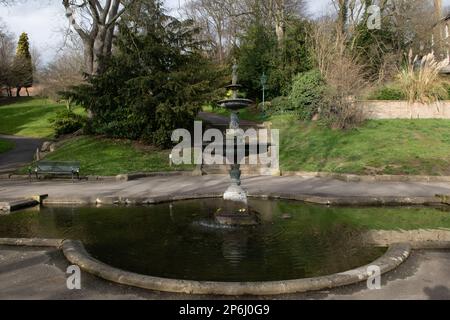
(438, 9)
(107, 49)
(438, 32)
(280, 22)
(220, 48)
(88, 51)
(99, 46)
(342, 19)
(342, 15)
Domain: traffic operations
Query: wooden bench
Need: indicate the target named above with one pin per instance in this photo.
(56, 168)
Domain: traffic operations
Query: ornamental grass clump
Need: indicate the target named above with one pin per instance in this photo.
(420, 80)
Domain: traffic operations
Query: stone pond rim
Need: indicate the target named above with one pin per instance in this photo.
(75, 253)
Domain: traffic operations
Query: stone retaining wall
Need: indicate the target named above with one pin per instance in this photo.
(366, 178)
(403, 110)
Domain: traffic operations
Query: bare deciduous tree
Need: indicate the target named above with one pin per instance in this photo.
(7, 46)
(95, 22)
(222, 21)
(343, 72)
(213, 17)
(61, 74)
(277, 12)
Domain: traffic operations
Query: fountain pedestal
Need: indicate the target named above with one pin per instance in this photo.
(235, 193)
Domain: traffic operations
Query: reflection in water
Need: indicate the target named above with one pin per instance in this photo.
(182, 239)
(234, 248)
(233, 238)
(171, 212)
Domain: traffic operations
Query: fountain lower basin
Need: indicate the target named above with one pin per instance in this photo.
(183, 240)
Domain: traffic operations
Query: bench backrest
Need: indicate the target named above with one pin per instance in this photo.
(58, 166)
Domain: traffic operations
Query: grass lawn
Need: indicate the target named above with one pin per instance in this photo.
(29, 117)
(415, 147)
(5, 146)
(106, 157)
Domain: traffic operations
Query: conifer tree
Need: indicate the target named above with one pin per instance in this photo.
(23, 66)
(155, 82)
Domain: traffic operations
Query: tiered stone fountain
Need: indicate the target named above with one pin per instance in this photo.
(236, 210)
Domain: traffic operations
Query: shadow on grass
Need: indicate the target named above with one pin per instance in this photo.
(10, 100)
(32, 121)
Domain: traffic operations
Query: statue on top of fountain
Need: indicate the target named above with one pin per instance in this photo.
(235, 73)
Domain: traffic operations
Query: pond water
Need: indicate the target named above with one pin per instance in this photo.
(180, 239)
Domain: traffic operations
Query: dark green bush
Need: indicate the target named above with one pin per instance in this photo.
(67, 122)
(387, 93)
(279, 105)
(307, 94)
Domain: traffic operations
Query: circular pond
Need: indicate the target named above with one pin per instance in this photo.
(181, 239)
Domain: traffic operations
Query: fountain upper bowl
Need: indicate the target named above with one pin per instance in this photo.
(235, 104)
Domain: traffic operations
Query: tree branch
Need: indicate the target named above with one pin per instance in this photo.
(106, 10)
(113, 19)
(69, 14)
(94, 11)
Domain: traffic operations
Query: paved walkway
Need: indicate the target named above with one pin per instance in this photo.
(22, 154)
(34, 273)
(182, 185)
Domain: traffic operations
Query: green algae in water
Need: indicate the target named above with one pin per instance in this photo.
(180, 240)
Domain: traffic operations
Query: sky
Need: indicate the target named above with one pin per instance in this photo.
(44, 21)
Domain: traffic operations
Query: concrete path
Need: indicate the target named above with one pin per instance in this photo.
(35, 273)
(22, 154)
(424, 276)
(182, 185)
